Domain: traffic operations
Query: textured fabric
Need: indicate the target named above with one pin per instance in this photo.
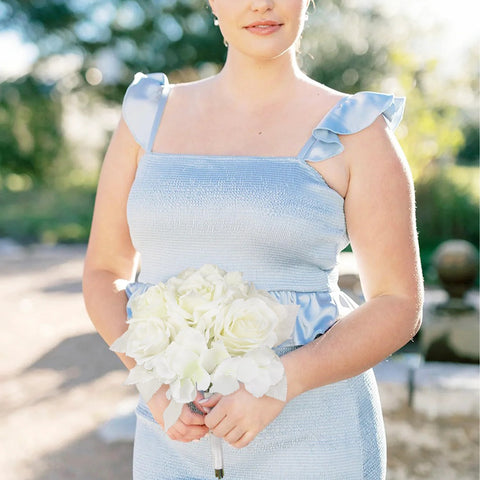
(277, 221)
(331, 433)
(273, 219)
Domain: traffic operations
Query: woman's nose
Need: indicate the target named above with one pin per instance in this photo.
(261, 5)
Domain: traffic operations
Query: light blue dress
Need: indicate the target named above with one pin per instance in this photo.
(276, 220)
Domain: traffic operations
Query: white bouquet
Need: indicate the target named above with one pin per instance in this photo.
(205, 330)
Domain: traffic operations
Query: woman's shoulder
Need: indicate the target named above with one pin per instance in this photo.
(364, 124)
(319, 96)
(345, 115)
(150, 85)
(147, 89)
(352, 112)
(140, 104)
(349, 113)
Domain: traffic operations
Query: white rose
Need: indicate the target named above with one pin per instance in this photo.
(207, 282)
(248, 323)
(287, 315)
(236, 286)
(176, 313)
(193, 293)
(144, 338)
(151, 303)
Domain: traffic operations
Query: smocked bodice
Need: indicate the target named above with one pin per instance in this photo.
(273, 218)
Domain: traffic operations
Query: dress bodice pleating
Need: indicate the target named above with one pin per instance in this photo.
(275, 219)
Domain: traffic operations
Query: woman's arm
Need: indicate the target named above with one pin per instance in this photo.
(380, 215)
(110, 253)
(112, 258)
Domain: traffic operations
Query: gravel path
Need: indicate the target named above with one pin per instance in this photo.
(59, 384)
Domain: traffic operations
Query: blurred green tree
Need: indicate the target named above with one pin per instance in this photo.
(30, 128)
(112, 39)
(469, 154)
(431, 134)
(469, 81)
(102, 44)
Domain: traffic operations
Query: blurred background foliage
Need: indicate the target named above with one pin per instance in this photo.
(56, 118)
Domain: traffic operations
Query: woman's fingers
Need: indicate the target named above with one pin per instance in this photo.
(244, 440)
(206, 404)
(191, 418)
(213, 419)
(234, 435)
(198, 405)
(240, 416)
(189, 426)
(223, 427)
(186, 433)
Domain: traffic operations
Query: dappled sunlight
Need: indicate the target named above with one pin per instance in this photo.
(17, 183)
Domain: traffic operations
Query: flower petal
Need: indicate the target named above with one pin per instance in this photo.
(120, 344)
(147, 389)
(279, 390)
(224, 384)
(182, 390)
(138, 374)
(214, 356)
(171, 414)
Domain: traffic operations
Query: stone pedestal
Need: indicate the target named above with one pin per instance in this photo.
(450, 330)
(448, 336)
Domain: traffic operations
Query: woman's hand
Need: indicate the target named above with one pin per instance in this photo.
(240, 416)
(189, 426)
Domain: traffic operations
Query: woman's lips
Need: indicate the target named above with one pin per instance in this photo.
(263, 28)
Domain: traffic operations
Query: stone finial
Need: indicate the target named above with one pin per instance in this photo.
(456, 263)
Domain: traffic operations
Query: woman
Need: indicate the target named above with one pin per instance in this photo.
(228, 172)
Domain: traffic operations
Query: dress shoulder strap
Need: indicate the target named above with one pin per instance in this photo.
(143, 106)
(351, 114)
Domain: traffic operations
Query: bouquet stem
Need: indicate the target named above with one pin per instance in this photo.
(217, 453)
(215, 446)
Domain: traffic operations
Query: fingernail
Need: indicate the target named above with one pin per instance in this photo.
(203, 400)
(196, 440)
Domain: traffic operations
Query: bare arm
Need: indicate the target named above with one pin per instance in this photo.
(110, 254)
(380, 215)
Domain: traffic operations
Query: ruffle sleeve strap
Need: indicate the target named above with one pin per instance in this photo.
(143, 106)
(351, 115)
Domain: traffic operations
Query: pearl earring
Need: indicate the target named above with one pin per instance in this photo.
(215, 21)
